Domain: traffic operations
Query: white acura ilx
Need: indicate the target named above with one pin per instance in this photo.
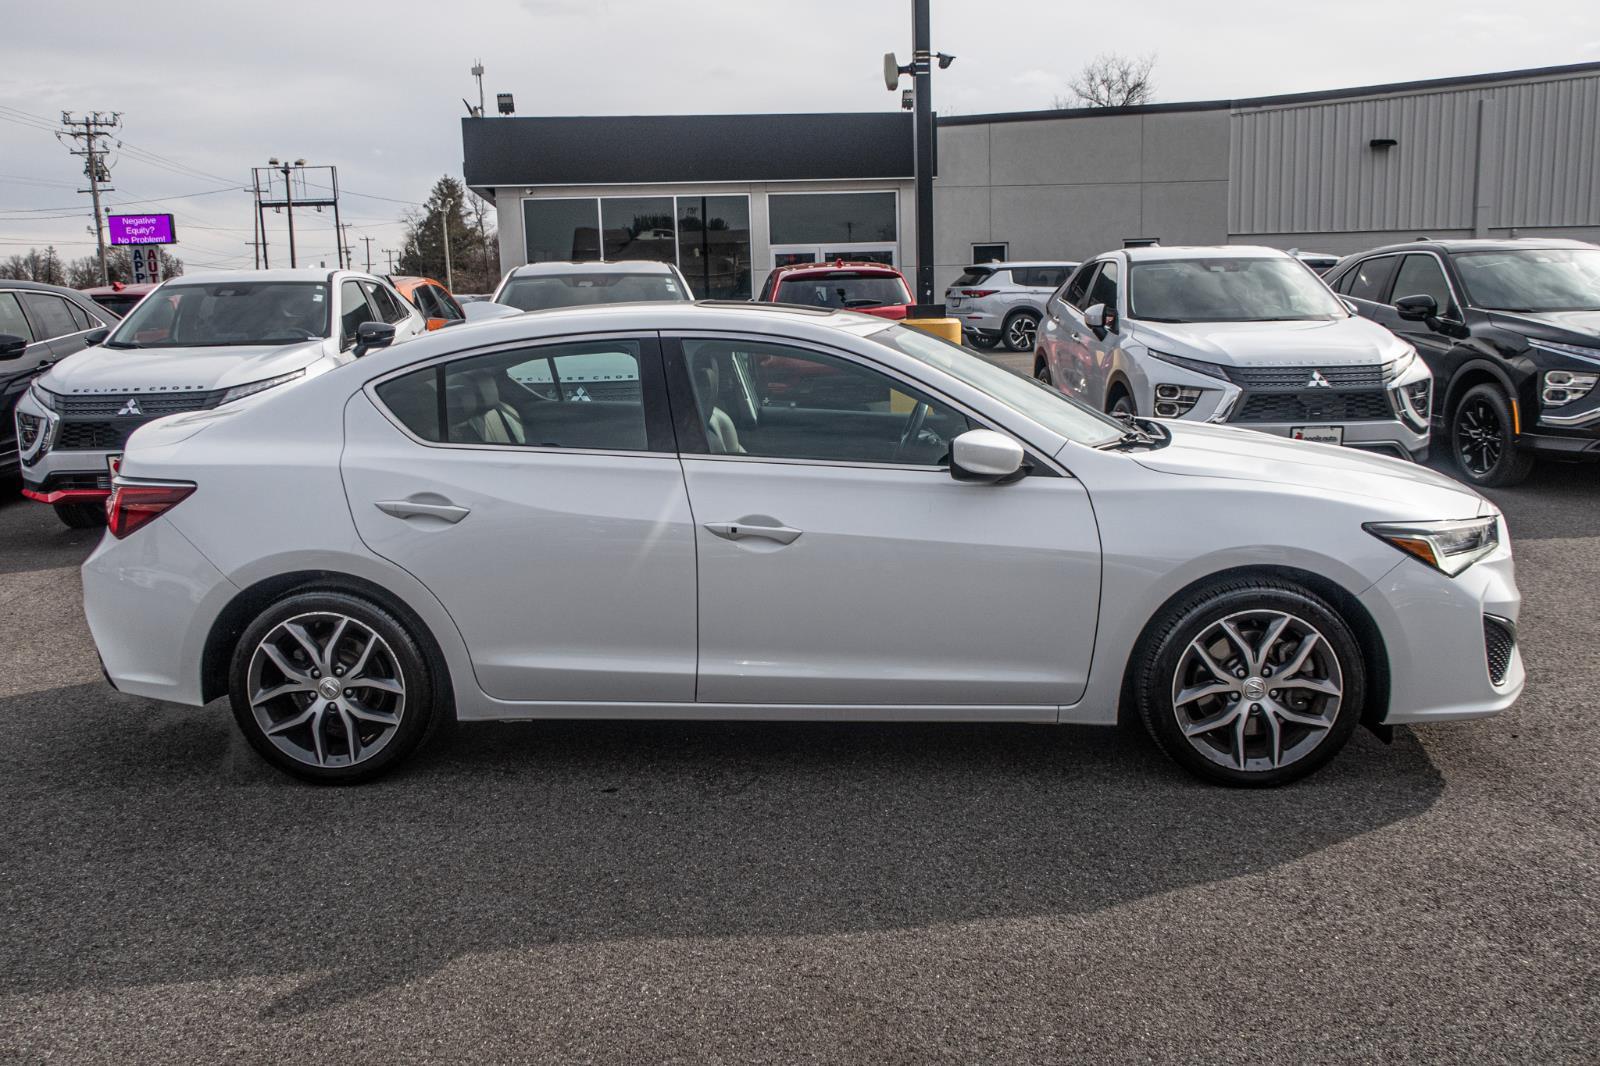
(702, 511)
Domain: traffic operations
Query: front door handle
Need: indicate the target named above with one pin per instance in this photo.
(449, 512)
(741, 531)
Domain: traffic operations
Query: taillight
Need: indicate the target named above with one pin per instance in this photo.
(132, 505)
(979, 292)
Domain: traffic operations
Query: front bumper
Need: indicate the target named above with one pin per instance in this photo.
(54, 473)
(1439, 649)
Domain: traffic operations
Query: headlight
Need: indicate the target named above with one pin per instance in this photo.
(239, 392)
(1447, 546)
(1396, 369)
(42, 396)
(1564, 386)
(1210, 370)
(1579, 350)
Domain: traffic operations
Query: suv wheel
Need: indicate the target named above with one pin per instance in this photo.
(332, 688)
(1121, 405)
(1482, 440)
(80, 515)
(980, 340)
(1254, 682)
(1041, 373)
(1020, 330)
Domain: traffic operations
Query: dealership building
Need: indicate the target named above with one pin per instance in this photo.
(728, 197)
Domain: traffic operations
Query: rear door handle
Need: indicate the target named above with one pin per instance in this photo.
(741, 531)
(449, 512)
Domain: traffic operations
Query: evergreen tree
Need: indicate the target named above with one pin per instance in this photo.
(474, 252)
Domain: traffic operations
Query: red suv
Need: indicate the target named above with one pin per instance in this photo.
(870, 287)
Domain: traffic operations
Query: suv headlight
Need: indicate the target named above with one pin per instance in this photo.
(1564, 386)
(1198, 366)
(42, 396)
(1448, 546)
(239, 392)
(1395, 370)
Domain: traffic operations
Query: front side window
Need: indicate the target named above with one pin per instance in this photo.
(1532, 279)
(449, 310)
(12, 320)
(226, 313)
(390, 309)
(772, 400)
(843, 289)
(1078, 287)
(1104, 289)
(1370, 279)
(1421, 275)
(356, 310)
(50, 314)
(1242, 289)
(584, 395)
(545, 291)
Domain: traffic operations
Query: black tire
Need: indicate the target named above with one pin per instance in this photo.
(80, 515)
(1166, 648)
(1482, 440)
(978, 340)
(1020, 331)
(1041, 372)
(424, 700)
(1120, 403)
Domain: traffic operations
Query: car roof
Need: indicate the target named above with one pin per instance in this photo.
(39, 286)
(1156, 252)
(1478, 244)
(1006, 264)
(118, 288)
(630, 266)
(278, 274)
(405, 283)
(837, 265)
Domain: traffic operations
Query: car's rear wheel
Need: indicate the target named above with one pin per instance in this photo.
(81, 515)
(1251, 683)
(1020, 330)
(332, 688)
(1483, 439)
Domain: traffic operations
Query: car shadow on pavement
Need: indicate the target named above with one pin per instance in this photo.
(146, 844)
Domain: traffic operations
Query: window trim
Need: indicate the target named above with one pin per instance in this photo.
(652, 381)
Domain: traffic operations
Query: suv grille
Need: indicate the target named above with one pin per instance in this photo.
(96, 436)
(1295, 378)
(151, 405)
(1315, 406)
(1498, 642)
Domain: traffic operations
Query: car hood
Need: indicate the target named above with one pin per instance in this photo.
(1551, 324)
(1339, 342)
(120, 370)
(1201, 450)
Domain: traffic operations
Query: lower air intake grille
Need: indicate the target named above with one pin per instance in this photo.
(95, 436)
(1498, 642)
(1319, 407)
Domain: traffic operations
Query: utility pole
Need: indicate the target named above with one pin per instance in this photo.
(444, 225)
(89, 131)
(346, 252)
(390, 253)
(368, 242)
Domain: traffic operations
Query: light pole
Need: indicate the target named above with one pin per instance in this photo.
(921, 70)
(287, 170)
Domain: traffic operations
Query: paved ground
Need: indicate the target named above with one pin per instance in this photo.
(638, 893)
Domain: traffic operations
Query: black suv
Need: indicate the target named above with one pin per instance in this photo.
(1511, 331)
(39, 324)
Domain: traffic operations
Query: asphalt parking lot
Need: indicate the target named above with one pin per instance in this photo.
(668, 892)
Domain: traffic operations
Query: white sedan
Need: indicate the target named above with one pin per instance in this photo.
(697, 511)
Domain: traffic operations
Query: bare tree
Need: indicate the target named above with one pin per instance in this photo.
(1111, 80)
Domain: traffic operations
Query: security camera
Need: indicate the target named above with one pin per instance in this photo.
(945, 61)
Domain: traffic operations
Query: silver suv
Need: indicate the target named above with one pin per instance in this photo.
(1004, 302)
(1246, 336)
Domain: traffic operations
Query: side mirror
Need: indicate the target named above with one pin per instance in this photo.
(1418, 308)
(985, 456)
(12, 345)
(96, 336)
(1350, 305)
(370, 336)
(1101, 319)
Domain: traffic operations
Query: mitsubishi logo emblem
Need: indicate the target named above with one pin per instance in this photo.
(131, 407)
(1318, 381)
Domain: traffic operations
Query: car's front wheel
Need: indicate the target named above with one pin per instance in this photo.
(332, 688)
(1253, 682)
(80, 515)
(1483, 439)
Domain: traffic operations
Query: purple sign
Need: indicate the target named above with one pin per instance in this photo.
(141, 229)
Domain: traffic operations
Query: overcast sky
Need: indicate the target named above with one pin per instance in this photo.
(211, 89)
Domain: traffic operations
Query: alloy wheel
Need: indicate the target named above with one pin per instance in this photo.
(1020, 332)
(1480, 436)
(1257, 690)
(326, 689)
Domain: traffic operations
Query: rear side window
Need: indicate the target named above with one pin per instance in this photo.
(973, 276)
(390, 307)
(11, 317)
(1040, 277)
(1370, 279)
(50, 314)
(584, 395)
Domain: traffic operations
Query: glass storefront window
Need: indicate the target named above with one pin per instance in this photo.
(832, 218)
(638, 228)
(561, 230)
(714, 245)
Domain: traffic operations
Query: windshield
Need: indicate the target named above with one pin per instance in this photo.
(844, 290)
(545, 291)
(1532, 279)
(1026, 396)
(226, 313)
(1242, 289)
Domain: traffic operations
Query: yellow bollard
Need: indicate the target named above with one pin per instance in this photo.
(948, 328)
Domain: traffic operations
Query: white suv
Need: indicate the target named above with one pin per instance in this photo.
(1247, 336)
(1004, 302)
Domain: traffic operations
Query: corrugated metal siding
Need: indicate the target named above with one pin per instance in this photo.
(1310, 169)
